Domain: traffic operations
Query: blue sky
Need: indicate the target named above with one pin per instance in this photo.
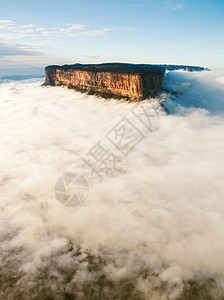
(38, 33)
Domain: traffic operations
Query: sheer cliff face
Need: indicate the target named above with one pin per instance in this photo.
(134, 86)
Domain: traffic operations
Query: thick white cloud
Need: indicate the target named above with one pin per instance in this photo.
(188, 89)
(153, 225)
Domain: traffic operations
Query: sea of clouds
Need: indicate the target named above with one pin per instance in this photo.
(152, 229)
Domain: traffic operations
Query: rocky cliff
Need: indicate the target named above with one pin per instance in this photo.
(130, 81)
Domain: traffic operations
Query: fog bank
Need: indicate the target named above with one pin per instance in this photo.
(152, 229)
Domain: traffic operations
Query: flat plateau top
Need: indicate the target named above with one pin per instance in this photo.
(113, 67)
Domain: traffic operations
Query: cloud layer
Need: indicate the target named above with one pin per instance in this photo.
(153, 229)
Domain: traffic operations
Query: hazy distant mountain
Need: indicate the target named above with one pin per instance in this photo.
(21, 73)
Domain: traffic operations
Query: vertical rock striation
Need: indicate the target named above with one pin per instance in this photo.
(134, 82)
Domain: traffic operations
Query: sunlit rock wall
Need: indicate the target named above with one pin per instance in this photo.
(134, 86)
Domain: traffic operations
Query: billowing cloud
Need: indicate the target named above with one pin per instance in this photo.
(153, 229)
(188, 87)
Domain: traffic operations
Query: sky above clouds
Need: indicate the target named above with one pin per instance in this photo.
(38, 33)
